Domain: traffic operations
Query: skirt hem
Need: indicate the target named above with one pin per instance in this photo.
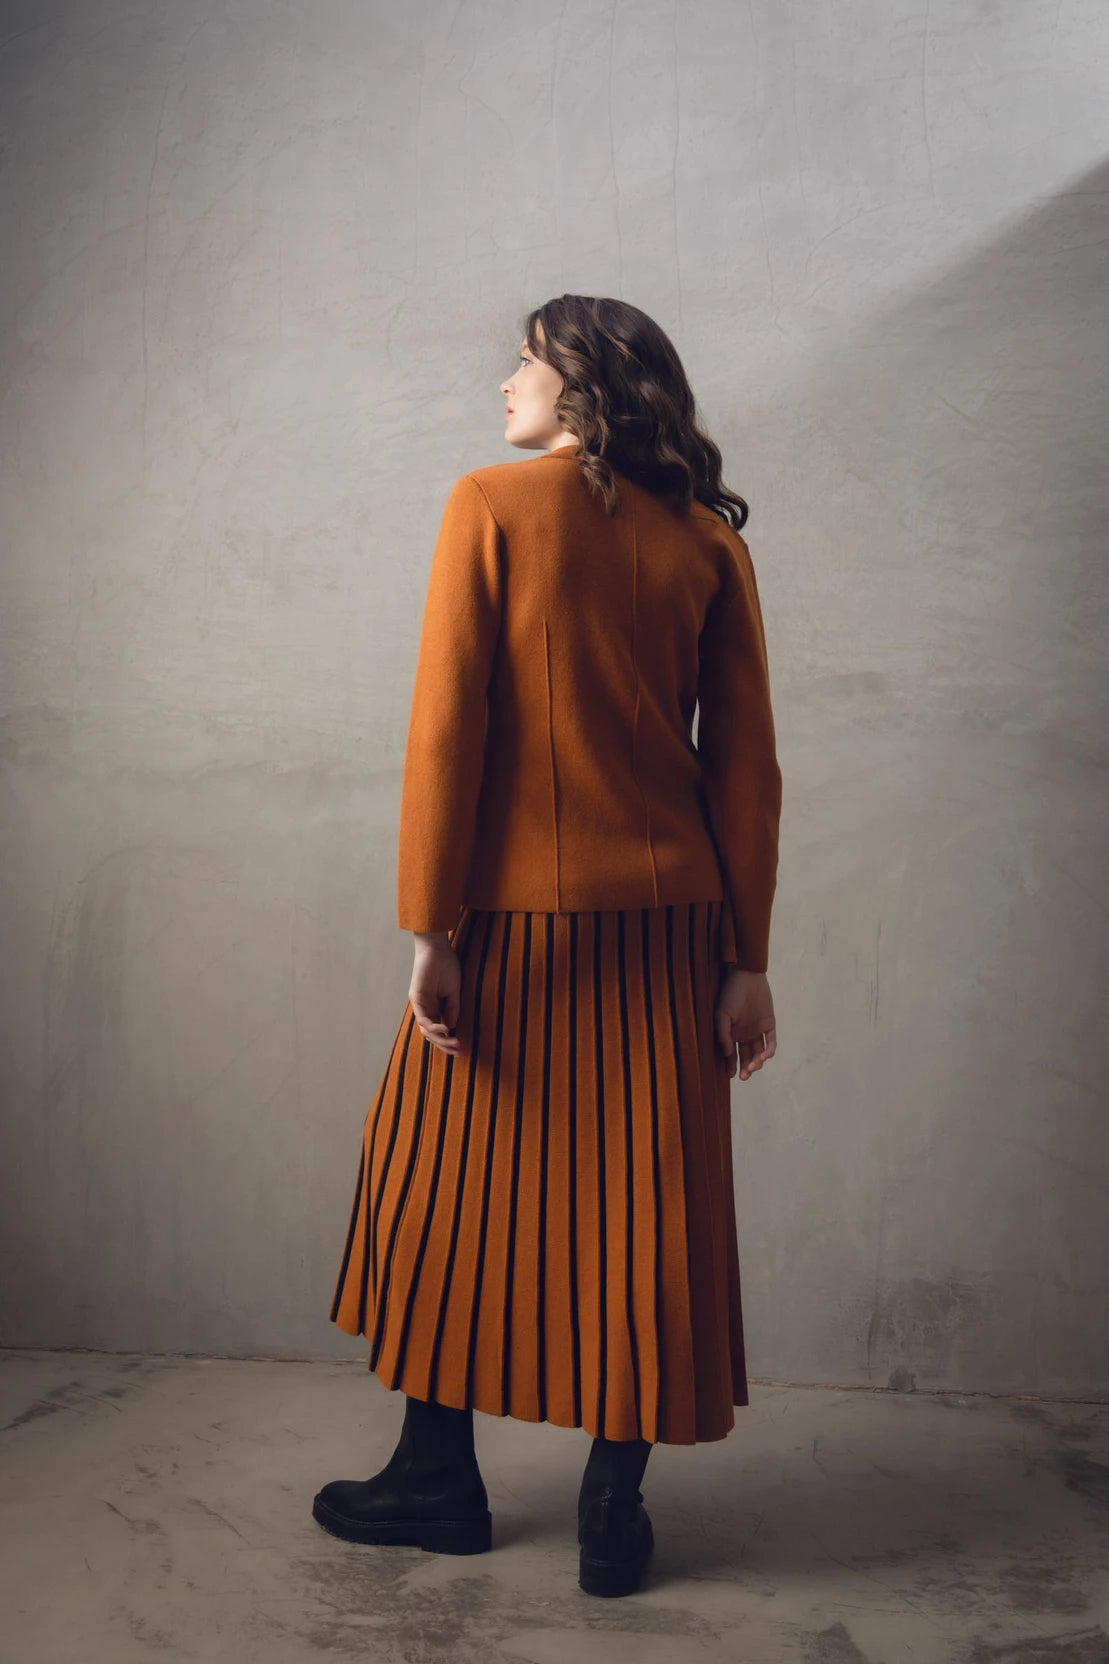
(586, 1426)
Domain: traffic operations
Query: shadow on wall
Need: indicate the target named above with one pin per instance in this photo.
(942, 695)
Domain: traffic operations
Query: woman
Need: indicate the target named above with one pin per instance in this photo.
(543, 1223)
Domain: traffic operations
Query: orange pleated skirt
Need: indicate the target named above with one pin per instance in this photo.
(543, 1224)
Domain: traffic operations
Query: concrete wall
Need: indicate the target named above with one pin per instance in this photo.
(264, 270)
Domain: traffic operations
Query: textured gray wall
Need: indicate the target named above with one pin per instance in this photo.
(264, 270)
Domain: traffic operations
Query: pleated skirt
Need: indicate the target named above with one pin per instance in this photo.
(543, 1224)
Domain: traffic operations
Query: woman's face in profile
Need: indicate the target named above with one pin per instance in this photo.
(529, 395)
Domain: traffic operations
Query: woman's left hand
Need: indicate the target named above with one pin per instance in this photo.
(435, 991)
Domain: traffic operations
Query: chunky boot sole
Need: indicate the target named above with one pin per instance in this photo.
(615, 1577)
(471, 1536)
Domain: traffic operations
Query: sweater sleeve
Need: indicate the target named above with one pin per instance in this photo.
(739, 767)
(444, 751)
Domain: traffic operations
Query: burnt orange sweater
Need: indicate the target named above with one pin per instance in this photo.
(550, 765)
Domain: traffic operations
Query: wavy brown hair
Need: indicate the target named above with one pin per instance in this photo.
(625, 396)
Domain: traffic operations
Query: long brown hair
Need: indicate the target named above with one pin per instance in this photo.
(625, 396)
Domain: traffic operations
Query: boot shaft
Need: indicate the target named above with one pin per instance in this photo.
(435, 1456)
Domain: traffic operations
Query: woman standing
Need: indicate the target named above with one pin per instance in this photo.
(543, 1223)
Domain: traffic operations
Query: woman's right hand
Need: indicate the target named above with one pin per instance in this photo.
(745, 1027)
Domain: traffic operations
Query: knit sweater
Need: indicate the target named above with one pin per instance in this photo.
(550, 764)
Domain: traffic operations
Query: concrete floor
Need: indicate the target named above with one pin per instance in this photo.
(160, 1508)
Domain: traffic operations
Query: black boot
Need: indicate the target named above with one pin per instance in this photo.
(614, 1528)
(429, 1495)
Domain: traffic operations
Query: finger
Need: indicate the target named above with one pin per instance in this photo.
(754, 1065)
(427, 1017)
(755, 1057)
(444, 1043)
(431, 1029)
(761, 1050)
(723, 1025)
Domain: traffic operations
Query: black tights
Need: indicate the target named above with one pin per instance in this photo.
(619, 1463)
(441, 1430)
